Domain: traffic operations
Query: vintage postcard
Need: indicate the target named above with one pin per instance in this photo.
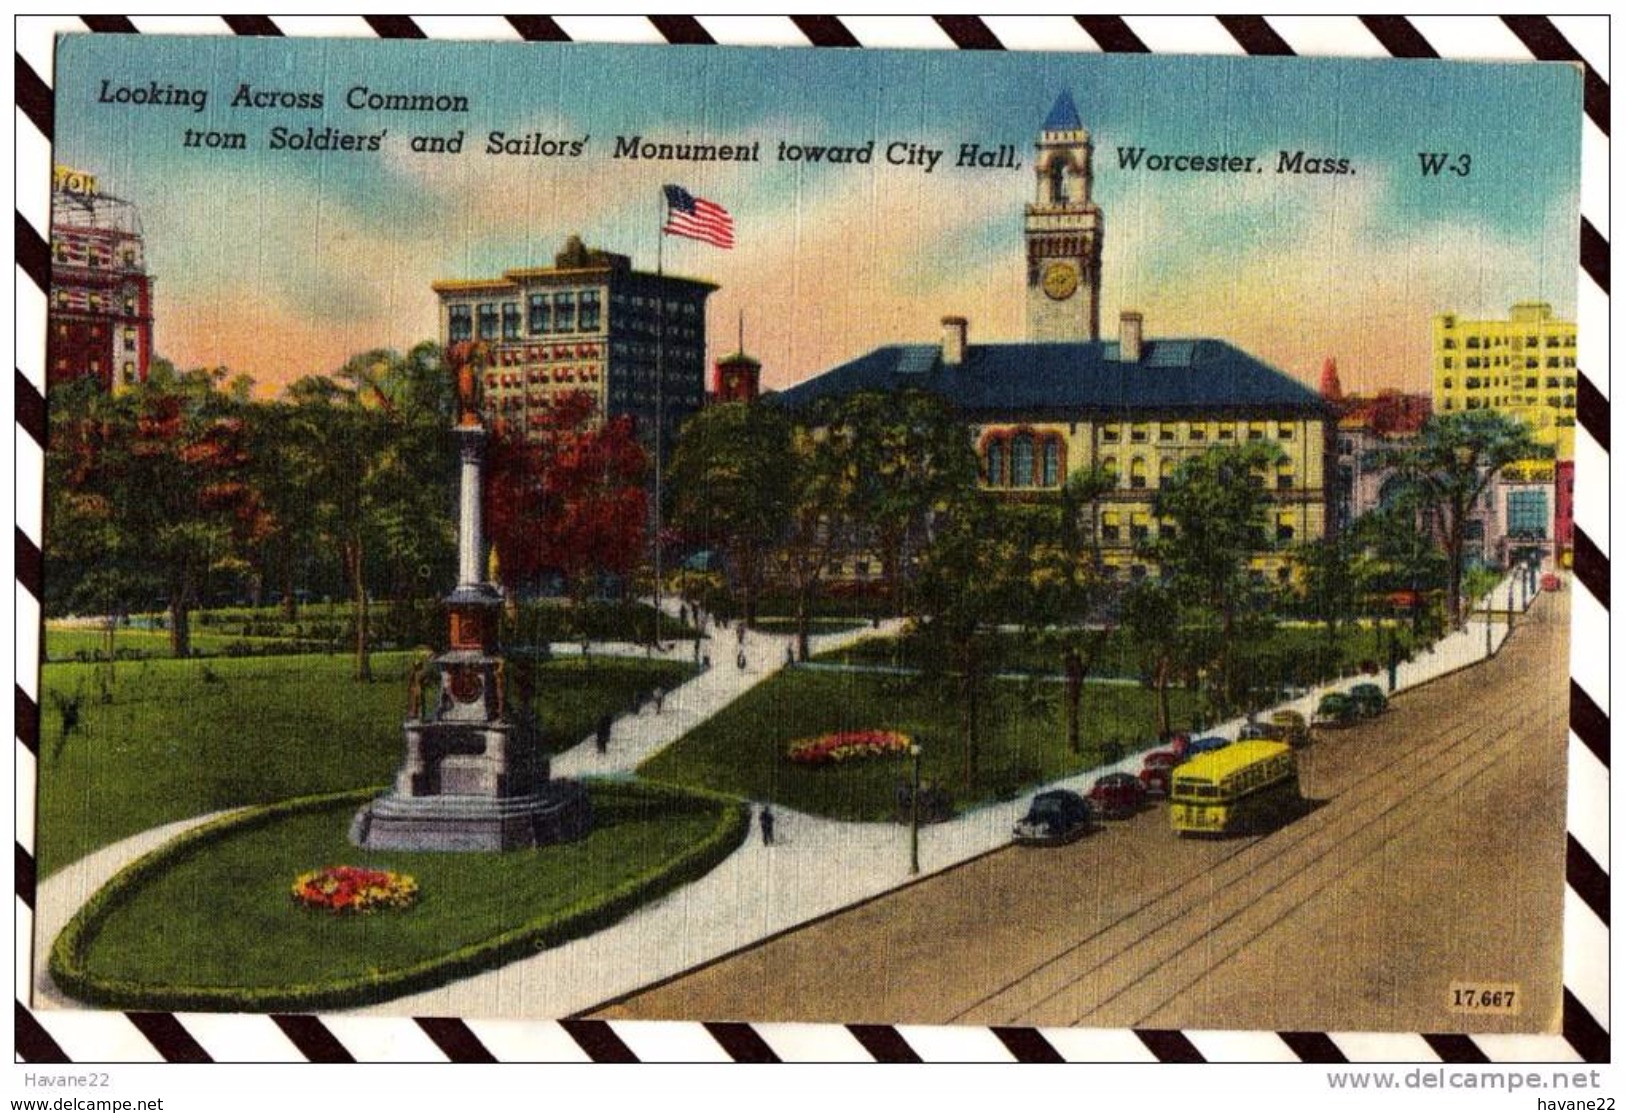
(553, 531)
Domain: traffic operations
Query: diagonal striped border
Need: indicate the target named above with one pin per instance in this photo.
(599, 1041)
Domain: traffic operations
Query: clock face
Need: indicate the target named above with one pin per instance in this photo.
(1060, 280)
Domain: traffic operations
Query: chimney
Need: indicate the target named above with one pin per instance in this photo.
(953, 341)
(1129, 335)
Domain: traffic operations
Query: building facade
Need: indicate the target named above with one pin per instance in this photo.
(1133, 408)
(100, 314)
(633, 340)
(1523, 366)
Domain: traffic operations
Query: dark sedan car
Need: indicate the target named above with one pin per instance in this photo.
(1368, 700)
(1336, 710)
(1117, 795)
(1157, 772)
(1056, 816)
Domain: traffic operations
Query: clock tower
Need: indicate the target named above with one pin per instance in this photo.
(1063, 232)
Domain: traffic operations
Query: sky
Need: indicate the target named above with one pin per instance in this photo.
(282, 263)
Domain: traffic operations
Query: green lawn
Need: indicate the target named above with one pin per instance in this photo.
(741, 750)
(1287, 654)
(181, 738)
(327, 627)
(218, 917)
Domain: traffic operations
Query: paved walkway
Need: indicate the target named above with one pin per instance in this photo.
(815, 866)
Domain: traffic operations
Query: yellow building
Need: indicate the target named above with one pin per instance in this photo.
(1523, 366)
(1134, 408)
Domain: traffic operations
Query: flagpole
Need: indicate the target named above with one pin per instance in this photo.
(660, 387)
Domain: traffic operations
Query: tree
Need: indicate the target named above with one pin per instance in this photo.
(569, 498)
(149, 492)
(1167, 639)
(819, 527)
(909, 460)
(1453, 461)
(1332, 585)
(732, 476)
(1212, 511)
(987, 563)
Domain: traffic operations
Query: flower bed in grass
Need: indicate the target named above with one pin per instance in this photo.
(354, 889)
(848, 745)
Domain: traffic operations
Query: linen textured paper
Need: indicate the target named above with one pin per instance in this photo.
(549, 530)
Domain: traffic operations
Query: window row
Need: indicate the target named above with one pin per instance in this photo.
(567, 311)
(1166, 431)
(1285, 477)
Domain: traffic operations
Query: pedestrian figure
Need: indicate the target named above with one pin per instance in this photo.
(741, 632)
(605, 722)
(705, 662)
(740, 660)
(766, 819)
(584, 648)
(660, 699)
(790, 654)
(696, 649)
(682, 614)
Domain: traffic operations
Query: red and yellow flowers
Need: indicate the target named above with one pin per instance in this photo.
(341, 889)
(847, 745)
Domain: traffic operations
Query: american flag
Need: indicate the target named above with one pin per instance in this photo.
(697, 218)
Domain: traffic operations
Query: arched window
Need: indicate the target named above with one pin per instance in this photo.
(1165, 470)
(1052, 461)
(1021, 460)
(1057, 182)
(1108, 464)
(995, 464)
(1136, 473)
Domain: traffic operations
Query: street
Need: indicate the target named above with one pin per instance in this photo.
(1430, 862)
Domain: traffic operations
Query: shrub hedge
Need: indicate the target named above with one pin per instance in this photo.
(69, 953)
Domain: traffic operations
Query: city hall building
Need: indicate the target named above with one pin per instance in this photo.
(633, 340)
(1134, 407)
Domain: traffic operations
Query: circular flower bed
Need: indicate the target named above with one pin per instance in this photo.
(341, 889)
(847, 745)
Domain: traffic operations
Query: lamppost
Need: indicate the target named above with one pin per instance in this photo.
(914, 813)
(1509, 608)
(1488, 649)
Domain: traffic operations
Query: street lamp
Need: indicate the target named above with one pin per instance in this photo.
(914, 814)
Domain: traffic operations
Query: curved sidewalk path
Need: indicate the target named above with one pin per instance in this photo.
(816, 866)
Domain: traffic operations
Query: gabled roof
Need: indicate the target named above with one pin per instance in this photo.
(1064, 116)
(1002, 379)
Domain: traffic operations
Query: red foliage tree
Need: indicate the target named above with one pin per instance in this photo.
(570, 499)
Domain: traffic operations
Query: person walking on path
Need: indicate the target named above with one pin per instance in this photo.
(766, 820)
(605, 723)
(740, 660)
(659, 698)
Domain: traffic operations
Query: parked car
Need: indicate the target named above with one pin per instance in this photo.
(1294, 729)
(1056, 816)
(1368, 700)
(1205, 745)
(1117, 795)
(1551, 581)
(1256, 730)
(1157, 771)
(1336, 710)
